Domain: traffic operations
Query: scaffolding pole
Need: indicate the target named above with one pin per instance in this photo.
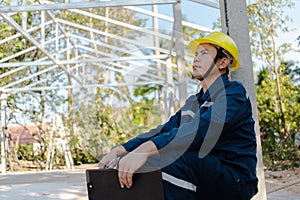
(3, 135)
(179, 48)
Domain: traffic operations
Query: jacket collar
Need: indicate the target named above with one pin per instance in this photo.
(219, 84)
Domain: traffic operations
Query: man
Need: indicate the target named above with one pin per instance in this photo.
(207, 150)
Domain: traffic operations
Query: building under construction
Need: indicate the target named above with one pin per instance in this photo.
(78, 46)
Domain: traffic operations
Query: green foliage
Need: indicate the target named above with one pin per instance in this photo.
(278, 147)
(277, 90)
(26, 152)
(100, 130)
(293, 70)
(81, 156)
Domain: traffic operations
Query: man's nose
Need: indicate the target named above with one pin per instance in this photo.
(196, 59)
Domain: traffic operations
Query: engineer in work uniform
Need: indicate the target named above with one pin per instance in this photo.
(207, 150)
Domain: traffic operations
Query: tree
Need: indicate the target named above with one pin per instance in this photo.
(278, 149)
(266, 18)
(277, 91)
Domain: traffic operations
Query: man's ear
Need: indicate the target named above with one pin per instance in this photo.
(224, 62)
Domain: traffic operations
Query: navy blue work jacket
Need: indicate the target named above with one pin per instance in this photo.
(217, 122)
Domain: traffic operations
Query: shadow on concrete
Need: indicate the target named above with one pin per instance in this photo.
(44, 185)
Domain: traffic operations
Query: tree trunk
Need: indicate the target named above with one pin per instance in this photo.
(277, 77)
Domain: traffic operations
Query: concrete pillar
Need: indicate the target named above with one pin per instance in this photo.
(235, 23)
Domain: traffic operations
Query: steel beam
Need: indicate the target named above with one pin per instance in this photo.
(168, 18)
(208, 3)
(15, 90)
(82, 5)
(112, 21)
(67, 62)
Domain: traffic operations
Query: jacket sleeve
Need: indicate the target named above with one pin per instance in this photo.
(173, 122)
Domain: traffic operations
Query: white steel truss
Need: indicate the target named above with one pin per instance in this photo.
(6, 12)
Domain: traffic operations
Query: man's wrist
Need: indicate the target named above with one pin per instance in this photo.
(148, 148)
(120, 150)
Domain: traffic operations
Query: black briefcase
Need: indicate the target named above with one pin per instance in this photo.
(103, 184)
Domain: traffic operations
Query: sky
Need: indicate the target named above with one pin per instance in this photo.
(291, 37)
(206, 16)
(195, 13)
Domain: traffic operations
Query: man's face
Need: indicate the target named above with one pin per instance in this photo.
(204, 57)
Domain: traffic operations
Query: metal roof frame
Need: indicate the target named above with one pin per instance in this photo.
(60, 22)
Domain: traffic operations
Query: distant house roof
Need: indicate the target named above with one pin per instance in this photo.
(24, 134)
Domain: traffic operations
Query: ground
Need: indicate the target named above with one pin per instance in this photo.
(285, 184)
(70, 185)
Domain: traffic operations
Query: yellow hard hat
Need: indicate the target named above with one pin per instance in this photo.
(222, 40)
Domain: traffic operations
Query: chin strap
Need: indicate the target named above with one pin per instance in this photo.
(211, 67)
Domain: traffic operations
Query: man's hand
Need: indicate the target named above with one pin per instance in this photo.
(110, 159)
(130, 163)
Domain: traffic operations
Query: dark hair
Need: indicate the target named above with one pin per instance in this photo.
(222, 53)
